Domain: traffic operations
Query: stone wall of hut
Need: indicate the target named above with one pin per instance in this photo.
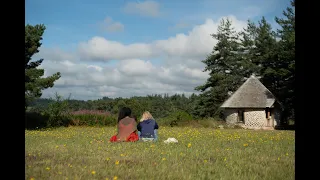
(231, 116)
(255, 118)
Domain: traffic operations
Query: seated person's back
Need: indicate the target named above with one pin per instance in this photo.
(126, 126)
(147, 126)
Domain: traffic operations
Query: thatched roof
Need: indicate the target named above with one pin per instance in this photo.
(251, 94)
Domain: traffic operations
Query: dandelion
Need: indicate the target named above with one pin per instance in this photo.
(93, 172)
(121, 155)
(48, 168)
(115, 178)
(117, 162)
(245, 145)
(189, 145)
(107, 159)
(32, 178)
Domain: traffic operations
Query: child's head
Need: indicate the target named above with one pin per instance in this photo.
(145, 116)
(124, 112)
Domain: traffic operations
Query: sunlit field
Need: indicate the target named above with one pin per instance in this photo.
(201, 153)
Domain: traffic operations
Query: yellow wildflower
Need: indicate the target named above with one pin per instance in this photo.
(115, 178)
(93, 172)
(117, 162)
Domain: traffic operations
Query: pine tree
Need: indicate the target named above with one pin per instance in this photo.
(224, 67)
(285, 64)
(248, 50)
(34, 82)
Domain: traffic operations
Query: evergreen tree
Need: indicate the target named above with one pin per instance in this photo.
(248, 50)
(34, 82)
(224, 67)
(285, 64)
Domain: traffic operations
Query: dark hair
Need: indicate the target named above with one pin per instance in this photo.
(124, 112)
(134, 117)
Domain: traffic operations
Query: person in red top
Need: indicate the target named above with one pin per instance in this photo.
(127, 127)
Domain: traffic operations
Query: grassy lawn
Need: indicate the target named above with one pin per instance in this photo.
(202, 153)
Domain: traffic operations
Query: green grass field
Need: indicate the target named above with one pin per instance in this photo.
(202, 153)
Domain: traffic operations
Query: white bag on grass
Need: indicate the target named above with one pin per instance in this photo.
(171, 140)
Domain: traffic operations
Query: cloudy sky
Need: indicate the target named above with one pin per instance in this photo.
(124, 48)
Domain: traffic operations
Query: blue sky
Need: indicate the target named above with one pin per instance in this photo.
(104, 29)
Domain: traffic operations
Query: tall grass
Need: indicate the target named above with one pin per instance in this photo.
(84, 153)
(92, 118)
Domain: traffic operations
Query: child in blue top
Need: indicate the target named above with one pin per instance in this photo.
(147, 128)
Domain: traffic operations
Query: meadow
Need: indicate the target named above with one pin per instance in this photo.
(201, 153)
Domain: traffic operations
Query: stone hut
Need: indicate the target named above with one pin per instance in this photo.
(252, 106)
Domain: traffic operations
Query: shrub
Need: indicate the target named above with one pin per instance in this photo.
(35, 120)
(175, 119)
(92, 118)
(58, 112)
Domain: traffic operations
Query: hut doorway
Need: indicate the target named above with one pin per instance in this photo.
(268, 117)
(241, 116)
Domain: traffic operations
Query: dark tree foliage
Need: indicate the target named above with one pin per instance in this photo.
(224, 65)
(159, 106)
(285, 64)
(34, 82)
(256, 50)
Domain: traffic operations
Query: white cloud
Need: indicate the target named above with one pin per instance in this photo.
(196, 44)
(146, 8)
(136, 67)
(134, 74)
(111, 26)
(99, 48)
